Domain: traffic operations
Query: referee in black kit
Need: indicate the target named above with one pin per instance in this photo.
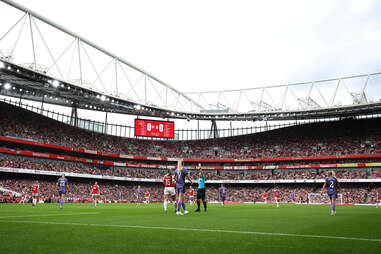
(201, 190)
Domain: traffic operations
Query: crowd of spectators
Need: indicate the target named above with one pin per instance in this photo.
(372, 195)
(7, 197)
(334, 138)
(81, 168)
(297, 175)
(112, 191)
(68, 167)
(349, 174)
(376, 173)
(80, 190)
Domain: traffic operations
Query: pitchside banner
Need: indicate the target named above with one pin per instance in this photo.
(152, 128)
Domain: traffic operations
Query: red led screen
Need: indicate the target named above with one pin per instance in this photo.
(152, 128)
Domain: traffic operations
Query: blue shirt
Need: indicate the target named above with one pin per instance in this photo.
(223, 191)
(201, 182)
(180, 177)
(62, 182)
(331, 184)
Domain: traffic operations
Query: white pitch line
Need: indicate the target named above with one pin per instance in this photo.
(199, 230)
(44, 215)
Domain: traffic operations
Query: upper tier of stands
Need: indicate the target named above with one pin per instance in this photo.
(316, 139)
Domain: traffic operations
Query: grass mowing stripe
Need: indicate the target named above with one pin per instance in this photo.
(44, 215)
(199, 230)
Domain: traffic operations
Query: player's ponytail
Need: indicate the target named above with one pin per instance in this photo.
(180, 164)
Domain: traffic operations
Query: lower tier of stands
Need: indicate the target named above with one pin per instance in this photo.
(80, 189)
(29, 163)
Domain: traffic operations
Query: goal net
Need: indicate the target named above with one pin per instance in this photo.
(318, 198)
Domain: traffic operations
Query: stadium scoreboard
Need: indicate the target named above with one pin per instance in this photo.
(154, 128)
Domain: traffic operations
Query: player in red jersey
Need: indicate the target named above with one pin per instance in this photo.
(169, 189)
(23, 196)
(146, 196)
(265, 197)
(191, 195)
(277, 196)
(22, 200)
(378, 198)
(35, 193)
(95, 193)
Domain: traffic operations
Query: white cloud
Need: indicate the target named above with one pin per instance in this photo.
(212, 45)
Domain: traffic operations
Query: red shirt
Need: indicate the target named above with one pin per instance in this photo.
(169, 181)
(95, 189)
(147, 194)
(191, 192)
(276, 193)
(265, 195)
(35, 188)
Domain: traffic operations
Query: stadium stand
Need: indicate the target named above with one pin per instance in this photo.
(317, 139)
(81, 168)
(348, 137)
(79, 191)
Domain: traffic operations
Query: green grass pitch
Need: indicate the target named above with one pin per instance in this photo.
(237, 228)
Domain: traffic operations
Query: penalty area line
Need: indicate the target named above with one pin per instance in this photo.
(199, 230)
(46, 215)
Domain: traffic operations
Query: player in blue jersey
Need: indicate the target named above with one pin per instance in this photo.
(292, 197)
(139, 194)
(222, 190)
(201, 190)
(332, 186)
(62, 187)
(120, 196)
(180, 175)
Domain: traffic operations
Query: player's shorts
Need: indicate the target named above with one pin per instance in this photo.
(334, 195)
(35, 194)
(201, 194)
(180, 189)
(223, 198)
(191, 197)
(62, 192)
(169, 191)
(95, 194)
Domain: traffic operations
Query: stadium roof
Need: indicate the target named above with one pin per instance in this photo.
(52, 64)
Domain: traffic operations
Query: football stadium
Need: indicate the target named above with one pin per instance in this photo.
(98, 155)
